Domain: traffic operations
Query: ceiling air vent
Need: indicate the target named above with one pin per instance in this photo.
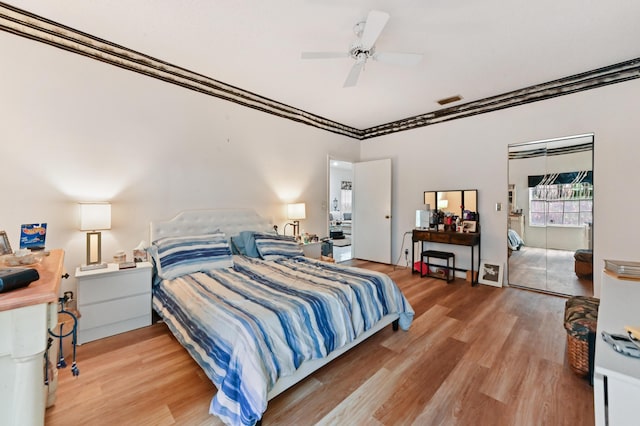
(450, 99)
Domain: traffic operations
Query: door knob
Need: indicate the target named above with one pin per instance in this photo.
(387, 216)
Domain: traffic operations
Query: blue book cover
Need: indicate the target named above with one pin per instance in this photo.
(32, 236)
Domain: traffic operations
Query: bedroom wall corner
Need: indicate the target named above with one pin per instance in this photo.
(80, 130)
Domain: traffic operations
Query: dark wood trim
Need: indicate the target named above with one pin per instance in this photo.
(34, 27)
(593, 79)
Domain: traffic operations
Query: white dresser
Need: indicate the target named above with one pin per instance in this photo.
(113, 301)
(26, 314)
(616, 377)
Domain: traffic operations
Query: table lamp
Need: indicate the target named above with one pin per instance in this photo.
(296, 212)
(93, 218)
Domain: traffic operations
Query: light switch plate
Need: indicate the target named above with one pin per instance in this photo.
(498, 207)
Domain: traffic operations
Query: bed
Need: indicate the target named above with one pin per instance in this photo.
(258, 325)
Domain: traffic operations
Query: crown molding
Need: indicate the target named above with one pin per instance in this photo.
(617, 73)
(34, 27)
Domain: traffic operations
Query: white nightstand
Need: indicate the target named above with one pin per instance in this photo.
(312, 250)
(112, 301)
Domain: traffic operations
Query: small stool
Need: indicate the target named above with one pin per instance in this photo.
(444, 255)
(580, 321)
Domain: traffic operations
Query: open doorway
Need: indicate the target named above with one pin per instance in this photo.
(340, 208)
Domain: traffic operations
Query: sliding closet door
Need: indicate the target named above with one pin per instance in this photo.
(527, 238)
(552, 185)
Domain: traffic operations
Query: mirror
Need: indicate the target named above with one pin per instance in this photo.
(551, 214)
(430, 200)
(453, 202)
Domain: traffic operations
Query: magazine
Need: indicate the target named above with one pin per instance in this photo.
(623, 268)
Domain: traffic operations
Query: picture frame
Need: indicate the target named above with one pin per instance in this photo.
(5, 246)
(491, 273)
(139, 255)
(469, 226)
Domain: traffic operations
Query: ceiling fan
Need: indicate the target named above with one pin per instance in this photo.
(363, 48)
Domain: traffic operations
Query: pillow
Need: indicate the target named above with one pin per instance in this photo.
(249, 244)
(176, 256)
(237, 245)
(273, 247)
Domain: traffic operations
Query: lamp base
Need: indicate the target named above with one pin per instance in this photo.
(93, 266)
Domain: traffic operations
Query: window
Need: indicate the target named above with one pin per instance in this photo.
(561, 205)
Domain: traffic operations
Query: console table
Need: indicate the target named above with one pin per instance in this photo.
(471, 239)
(616, 381)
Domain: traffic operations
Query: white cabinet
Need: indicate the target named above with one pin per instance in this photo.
(25, 316)
(112, 301)
(312, 250)
(616, 377)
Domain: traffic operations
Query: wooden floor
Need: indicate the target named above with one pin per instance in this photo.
(473, 356)
(547, 270)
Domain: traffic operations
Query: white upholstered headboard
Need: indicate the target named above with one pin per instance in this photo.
(197, 222)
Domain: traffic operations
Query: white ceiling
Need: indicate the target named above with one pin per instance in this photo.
(471, 48)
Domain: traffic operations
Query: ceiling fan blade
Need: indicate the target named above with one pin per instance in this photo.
(396, 58)
(323, 55)
(376, 20)
(352, 78)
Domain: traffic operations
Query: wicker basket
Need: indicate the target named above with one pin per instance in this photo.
(580, 321)
(578, 351)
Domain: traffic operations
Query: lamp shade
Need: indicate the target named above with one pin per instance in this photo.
(296, 211)
(94, 216)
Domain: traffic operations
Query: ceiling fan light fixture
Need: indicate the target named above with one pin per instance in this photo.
(363, 48)
(449, 100)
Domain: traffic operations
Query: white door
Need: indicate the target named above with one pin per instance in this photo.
(371, 228)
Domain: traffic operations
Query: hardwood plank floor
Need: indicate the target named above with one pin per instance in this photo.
(473, 356)
(547, 270)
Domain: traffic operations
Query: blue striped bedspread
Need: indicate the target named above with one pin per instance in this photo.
(248, 325)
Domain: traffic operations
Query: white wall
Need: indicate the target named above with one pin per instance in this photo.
(75, 129)
(472, 153)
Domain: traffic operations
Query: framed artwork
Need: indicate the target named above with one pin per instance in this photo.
(469, 226)
(5, 247)
(139, 255)
(491, 273)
